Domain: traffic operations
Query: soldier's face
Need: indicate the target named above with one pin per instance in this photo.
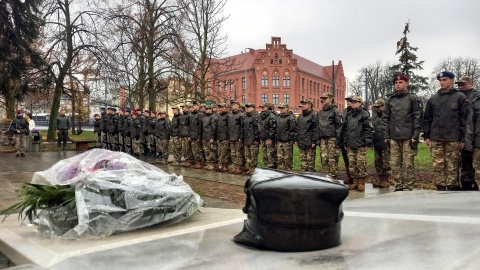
(250, 109)
(283, 110)
(464, 86)
(306, 106)
(349, 103)
(356, 104)
(326, 101)
(235, 106)
(445, 83)
(380, 108)
(401, 85)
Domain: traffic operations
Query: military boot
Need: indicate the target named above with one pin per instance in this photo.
(354, 185)
(211, 167)
(232, 168)
(361, 184)
(238, 169)
(187, 163)
(376, 182)
(164, 162)
(349, 181)
(385, 183)
(199, 165)
(225, 168)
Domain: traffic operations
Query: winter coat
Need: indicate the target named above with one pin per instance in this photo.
(379, 132)
(184, 129)
(235, 125)
(126, 126)
(209, 126)
(330, 122)
(63, 122)
(358, 131)
(403, 116)
(286, 127)
(104, 122)
(445, 116)
(136, 128)
(195, 125)
(268, 125)
(143, 124)
(222, 126)
(96, 125)
(121, 123)
(307, 129)
(472, 133)
(251, 132)
(151, 123)
(20, 125)
(162, 129)
(112, 125)
(175, 129)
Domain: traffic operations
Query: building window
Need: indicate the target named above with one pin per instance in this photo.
(225, 85)
(310, 85)
(208, 89)
(275, 98)
(286, 80)
(244, 100)
(264, 98)
(286, 98)
(275, 80)
(271, 61)
(244, 83)
(219, 87)
(280, 61)
(264, 80)
(302, 98)
(276, 56)
(303, 84)
(232, 86)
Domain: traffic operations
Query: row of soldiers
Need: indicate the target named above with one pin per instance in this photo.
(213, 137)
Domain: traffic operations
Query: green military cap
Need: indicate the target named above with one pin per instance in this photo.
(250, 104)
(349, 98)
(235, 101)
(327, 95)
(305, 101)
(282, 105)
(358, 99)
(379, 102)
(222, 105)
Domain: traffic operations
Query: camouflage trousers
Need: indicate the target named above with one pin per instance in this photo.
(121, 143)
(285, 155)
(98, 139)
(20, 143)
(136, 146)
(476, 164)
(357, 159)
(197, 151)
(446, 161)
(151, 142)
(224, 152)
(162, 147)
(307, 158)
(236, 151)
(382, 162)
(113, 139)
(401, 163)
(345, 160)
(128, 144)
(269, 154)
(329, 152)
(468, 172)
(104, 140)
(210, 151)
(177, 149)
(187, 149)
(251, 155)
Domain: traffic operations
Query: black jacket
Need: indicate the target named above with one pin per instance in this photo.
(162, 129)
(175, 130)
(121, 124)
(126, 126)
(112, 124)
(104, 122)
(358, 131)
(307, 129)
(195, 125)
(330, 122)
(222, 126)
(268, 125)
(96, 125)
(235, 125)
(184, 130)
(286, 127)
(251, 132)
(472, 133)
(445, 116)
(63, 122)
(20, 125)
(136, 128)
(403, 116)
(379, 131)
(143, 124)
(209, 126)
(151, 123)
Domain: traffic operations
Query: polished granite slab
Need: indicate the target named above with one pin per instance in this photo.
(402, 230)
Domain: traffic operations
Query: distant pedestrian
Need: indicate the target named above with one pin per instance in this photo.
(31, 122)
(20, 129)
(444, 131)
(195, 134)
(62, 128)
(104, 127)
(112, 126)
(307, 135)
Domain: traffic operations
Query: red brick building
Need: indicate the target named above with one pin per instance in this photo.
(275, 74)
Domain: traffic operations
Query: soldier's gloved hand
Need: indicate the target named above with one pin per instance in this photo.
(414, 144)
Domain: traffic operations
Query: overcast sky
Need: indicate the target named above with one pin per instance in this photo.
(358, 32)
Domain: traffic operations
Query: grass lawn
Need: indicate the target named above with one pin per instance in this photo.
(87, 135)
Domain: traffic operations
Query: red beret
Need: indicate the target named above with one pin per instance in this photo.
(19, 111)
(400, 77)
(95, 115)
(147, 111)
(154, 112)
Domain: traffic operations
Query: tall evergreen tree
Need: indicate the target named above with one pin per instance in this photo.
(20, 22)
(409, 63)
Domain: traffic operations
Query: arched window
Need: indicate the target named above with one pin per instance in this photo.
(280, 61)
(303, 83)
(276, 55)
(271, 61)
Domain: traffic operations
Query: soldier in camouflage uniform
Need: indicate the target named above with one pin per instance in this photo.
(251, 137)
(347, 110)
(175, 135)
(307, 135)
(96, 131)
(235, 137)
(135, 131)
(151, 144)
(330, 123)
(382, 153)
(162, 135)
(467, 176)
(104, 127)
(223, 137)
(444, 126)
(121, 123)
(268, 118)
(113, 128)
(209, 137)
(402, 119)
(357, 137)
(127, 139)
(144, 134)
(184, 133)
(195, 135)
(286, 132)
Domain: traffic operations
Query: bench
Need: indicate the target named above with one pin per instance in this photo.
(82, 145)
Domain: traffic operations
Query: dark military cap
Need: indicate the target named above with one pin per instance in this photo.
(146, 111)
(102, 108)
(112, 109)
(327, 95)
(153, 112)
(349, 98)
(127, 109)
(195, 103)
(234, 101)
(447, 74)
(250, 104)
(464, 79)
(379, 102)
